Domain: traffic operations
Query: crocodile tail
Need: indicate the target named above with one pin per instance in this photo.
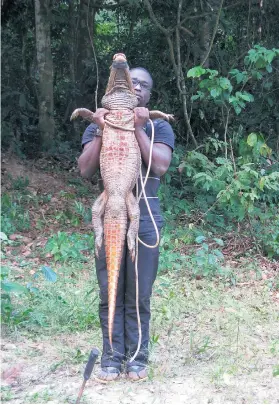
(115, 230)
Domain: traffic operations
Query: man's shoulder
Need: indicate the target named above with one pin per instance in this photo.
(89, 133)
(91, 127)
(160, 123)
(163, 132)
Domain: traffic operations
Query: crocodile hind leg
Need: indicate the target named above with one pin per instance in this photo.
(98, 210)
(159, 114)
(134, 215)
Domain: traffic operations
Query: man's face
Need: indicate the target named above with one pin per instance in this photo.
(142, 85)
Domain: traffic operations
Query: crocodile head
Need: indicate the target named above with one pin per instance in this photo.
(120, 91)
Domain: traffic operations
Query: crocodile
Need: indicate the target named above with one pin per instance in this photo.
(116, 213)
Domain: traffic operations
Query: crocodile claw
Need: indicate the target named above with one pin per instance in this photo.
(132, 247)
(74, 115)
(170, 117)
(98, 245)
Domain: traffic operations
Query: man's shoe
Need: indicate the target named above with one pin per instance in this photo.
(107, 374)
(137, 373)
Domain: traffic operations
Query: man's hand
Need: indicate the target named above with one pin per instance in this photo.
(141, 116)
(99, 117)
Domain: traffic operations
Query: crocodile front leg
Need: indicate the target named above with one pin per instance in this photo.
(98, 210)
(84, 113)
(159, 114)
(134, 215)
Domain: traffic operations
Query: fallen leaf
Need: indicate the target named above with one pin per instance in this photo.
(27, 253)
(12, 373)
(25, 239)
(15, 236)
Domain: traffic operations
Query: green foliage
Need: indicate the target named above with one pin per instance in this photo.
(253, 148)
(14, 216)
(235, 188)
(275, 371)
(19, 183)
(219, 89)
(265, 225)
(81, 188)
(242, 187)
(261, 58)
(50, 301)
(170, 258)
(207, 259)
(84, 212)
(128, 27)
(241, 182)
(222, 91)
(49, 274)
(67, 217)
(66, 247)
(10, 289)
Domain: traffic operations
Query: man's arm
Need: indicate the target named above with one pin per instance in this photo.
(161, 153)
(89, 160)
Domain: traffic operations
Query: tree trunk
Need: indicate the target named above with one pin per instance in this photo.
(204, 41)
(84, 50)
(45, 69)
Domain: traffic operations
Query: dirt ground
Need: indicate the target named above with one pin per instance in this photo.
(36, 373)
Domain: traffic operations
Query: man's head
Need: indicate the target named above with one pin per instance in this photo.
(143, 83)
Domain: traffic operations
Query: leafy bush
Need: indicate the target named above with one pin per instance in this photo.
(265, 225)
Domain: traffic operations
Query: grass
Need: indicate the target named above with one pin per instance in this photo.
(69, 304)
(220, 334)
(228, 329)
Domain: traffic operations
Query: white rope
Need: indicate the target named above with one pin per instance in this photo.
(143, 184)
(118, 126)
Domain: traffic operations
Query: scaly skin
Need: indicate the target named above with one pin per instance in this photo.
(120, 163)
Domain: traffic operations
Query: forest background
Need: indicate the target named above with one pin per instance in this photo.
(215, 67)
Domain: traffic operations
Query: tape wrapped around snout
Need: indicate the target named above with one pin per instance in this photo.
(120, 65)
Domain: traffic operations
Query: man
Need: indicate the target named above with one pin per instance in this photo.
(125, 332)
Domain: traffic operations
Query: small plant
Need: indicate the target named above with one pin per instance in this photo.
(275, 371)
(207, 260)
(40, 397)
(83, 211)
(8, 289)
(14, 217)
(19, 183)
(170, 258)
(81, 188)
(200, 348)
(6, 394)
(64, 247)
(67, 217)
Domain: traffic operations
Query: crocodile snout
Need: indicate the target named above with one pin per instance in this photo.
(119, 57)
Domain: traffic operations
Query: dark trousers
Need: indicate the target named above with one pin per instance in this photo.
(125, 330)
